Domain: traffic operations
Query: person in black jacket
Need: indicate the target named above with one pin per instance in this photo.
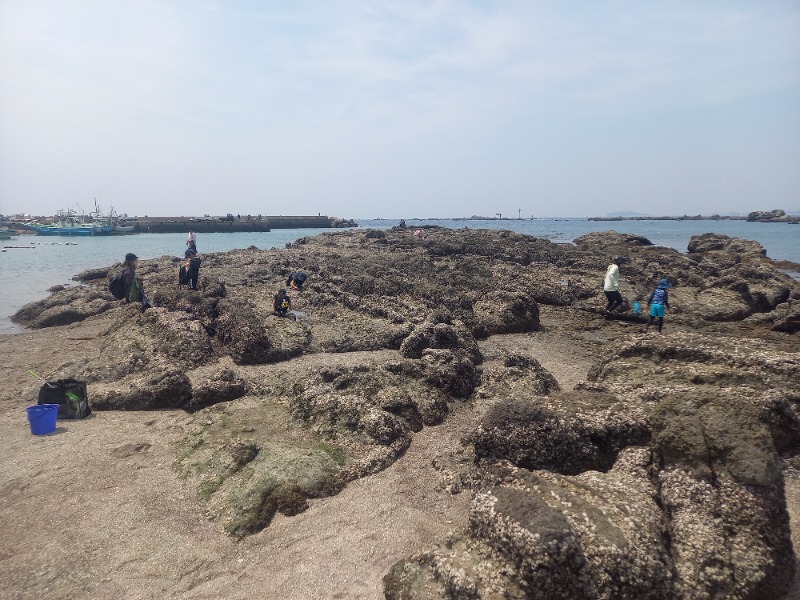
(192, 269)
(281, 303)
(296, 280)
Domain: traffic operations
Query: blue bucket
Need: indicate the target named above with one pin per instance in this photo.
(42, 418)
(637, 307)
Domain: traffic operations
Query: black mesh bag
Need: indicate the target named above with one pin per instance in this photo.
(69, 394)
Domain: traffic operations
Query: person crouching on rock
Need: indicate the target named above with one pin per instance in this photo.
(281, 303)
(296, 280)
(659, 302)
(611, 284)
(134, 289)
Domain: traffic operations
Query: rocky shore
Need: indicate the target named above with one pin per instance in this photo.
(453, 416)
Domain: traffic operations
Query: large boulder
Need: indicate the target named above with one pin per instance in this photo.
(243, 332)
(722, 487)
(514, 375)
(222, 386)
(272, 477)
(505, 312)
(63, 307)
(164, 389)
(92, 274)
(568, 433)
(787, 319)
(767, 216)
(248, 463)
(441, 336)
(61, 315)
(717, 242)
(544, 536)
(610, 240)
(692, 506)
(139, 343)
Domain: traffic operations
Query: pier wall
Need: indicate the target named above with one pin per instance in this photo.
(181, 225)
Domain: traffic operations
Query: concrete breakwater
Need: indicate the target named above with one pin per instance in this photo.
(238, 225)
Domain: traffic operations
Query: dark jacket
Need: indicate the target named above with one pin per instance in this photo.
(193, 269)
(134, 291)
(299, 279)
(281, 303)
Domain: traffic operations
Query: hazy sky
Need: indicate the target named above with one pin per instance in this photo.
(400, 108)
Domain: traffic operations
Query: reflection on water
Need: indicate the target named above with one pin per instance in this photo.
(26, 274)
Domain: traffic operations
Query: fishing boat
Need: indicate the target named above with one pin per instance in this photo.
(95, 223)
(6, 233)
(66, 225)
(120, 223)
(124, 229)
(102, 226)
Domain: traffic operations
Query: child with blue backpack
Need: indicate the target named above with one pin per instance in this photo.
(659, 302)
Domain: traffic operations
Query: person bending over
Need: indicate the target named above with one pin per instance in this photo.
(296, 280)
(611, 284)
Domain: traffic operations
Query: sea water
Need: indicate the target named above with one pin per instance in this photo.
(26, 273)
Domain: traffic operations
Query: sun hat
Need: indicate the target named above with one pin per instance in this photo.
(664, 283)
(130, 256)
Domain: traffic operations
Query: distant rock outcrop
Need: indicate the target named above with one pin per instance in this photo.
(772, 216)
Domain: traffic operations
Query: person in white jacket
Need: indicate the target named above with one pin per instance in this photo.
(611, 284)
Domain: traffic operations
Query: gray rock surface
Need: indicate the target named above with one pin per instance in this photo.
(64, 306)
(223, 386)
(567, 433)
(164, 389)
(692, 506)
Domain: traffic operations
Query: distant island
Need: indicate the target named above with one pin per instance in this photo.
(626, 213)
(759, 216)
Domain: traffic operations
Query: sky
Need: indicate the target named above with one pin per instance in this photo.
(399, 108)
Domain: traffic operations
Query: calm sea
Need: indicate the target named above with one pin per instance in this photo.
(26, 273)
